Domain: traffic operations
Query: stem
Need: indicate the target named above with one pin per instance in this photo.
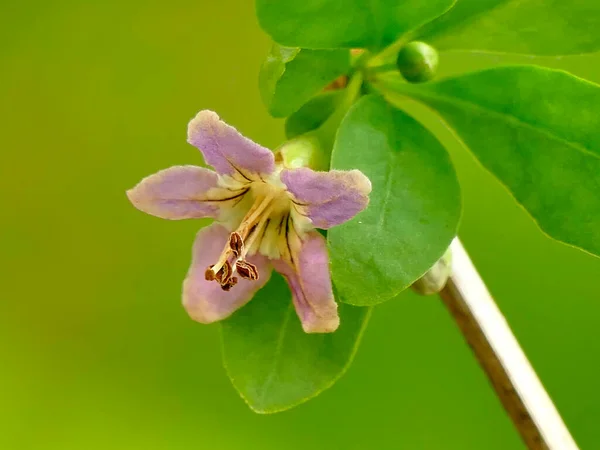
(313, 149)
(390, 51)
(326, 132)
(382, 69)
(485, 329)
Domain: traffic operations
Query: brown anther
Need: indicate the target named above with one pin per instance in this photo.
(232, 282)
(224, 274)
(236, 243)
(209, 275)
(247, 270)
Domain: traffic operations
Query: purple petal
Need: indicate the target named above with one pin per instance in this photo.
(227, 150)
(178, 192)
(310, 282)
(328, 198)
(205, 301)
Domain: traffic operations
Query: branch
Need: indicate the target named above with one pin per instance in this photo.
(491, 339)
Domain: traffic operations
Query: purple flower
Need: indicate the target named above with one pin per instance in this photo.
(265, 215)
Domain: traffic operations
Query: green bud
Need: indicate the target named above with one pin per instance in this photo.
(303, 151)
(417, 62)
(435, 278)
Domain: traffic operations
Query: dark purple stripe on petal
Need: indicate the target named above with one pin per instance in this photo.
(310, 282)
(328, 198)
(176, 193)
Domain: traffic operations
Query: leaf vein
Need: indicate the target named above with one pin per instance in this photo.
(277, 353)
(507, 118)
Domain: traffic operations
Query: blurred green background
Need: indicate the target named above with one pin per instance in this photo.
(96, 351)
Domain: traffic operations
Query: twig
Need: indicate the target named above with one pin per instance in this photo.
(491, 339)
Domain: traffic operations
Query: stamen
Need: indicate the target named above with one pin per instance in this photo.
(236, 244)
(248, 235)
(253, 215)
(209, 275)
(224, 274)
(247, 270)
(227, 286)
(256, 231)
(244, 230)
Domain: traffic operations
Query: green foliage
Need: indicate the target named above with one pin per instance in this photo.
(313, 113)
(291, 76)
(414, 207)
(341, 23)
(538, 27)
(275, 365)
(536, 130)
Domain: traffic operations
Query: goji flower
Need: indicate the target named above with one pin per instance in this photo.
(265, 217)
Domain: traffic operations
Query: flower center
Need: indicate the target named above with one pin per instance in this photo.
(258, 231)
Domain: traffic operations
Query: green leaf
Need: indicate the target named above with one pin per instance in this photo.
(414, 207)
(537, 130)
(540, 27)
(313, 114)
(291, 76)
(341, 23)
(272, 363)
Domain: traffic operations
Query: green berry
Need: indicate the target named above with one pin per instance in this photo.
(417, 62)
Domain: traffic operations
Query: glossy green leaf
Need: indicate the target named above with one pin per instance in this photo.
(313, 114)
(540, 27)
(272, 363)
(414, 206)
(538, 131)
(342, 23)
(291, 76)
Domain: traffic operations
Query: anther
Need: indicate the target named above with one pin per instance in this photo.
(209, 275)
(232, 282)
(236, 244)
(224, 274)
(247, 270)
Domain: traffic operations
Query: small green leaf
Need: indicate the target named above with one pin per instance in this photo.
(291, 76)
(341, 23)
(537, 130)
(313, 113)
(272, 363)
(538, 27)
(414, 206)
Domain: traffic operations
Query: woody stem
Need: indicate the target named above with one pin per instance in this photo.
(499, 354)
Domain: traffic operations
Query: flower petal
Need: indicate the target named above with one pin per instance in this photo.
(179, 192)
(310, 282)
(205, 301)
(328, 198)
(227, 150)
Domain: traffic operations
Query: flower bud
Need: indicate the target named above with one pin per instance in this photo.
(303, 151)
(435, 278)
(417, 62)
